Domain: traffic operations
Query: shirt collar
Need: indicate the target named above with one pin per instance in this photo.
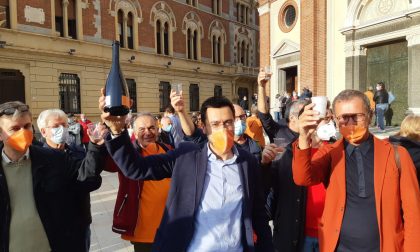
(212, 157)
(363, 147)
(8, 161)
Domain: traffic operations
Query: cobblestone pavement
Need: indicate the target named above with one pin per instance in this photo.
(103, 200)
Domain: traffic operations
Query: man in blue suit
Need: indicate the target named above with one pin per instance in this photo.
(216, 200)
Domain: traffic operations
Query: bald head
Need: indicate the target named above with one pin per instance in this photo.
(238, 110)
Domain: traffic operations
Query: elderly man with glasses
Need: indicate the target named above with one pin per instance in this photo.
(54, 127)
(36, 186)
(372, 199)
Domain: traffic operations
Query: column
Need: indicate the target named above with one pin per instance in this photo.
(413, 73)
(264, 13)
(356, 67)
(162, 37)
(65, 19)
(79, 20)
(13, 14)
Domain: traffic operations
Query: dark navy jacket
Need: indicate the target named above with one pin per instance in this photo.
(187, 167)
(54, 175)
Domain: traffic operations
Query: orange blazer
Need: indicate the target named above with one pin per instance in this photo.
(397, 195)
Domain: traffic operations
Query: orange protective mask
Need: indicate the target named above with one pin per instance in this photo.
(221, 141)
(20, 140)
(353, 133)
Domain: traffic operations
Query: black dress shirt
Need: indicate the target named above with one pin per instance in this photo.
(359, 229)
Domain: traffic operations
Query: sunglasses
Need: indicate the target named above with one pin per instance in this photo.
(12, 110)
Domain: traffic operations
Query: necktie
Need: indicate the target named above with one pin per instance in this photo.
(360, 173)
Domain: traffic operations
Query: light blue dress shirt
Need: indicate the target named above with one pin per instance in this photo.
(218, 222)
(176, 130)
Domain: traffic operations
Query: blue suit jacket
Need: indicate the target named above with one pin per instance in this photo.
(187, 166)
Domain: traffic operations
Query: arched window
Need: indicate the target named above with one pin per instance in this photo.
(166, 38)
(195, 45)
(189, 44)
(243, 52)
(158, 38)
(130, 37)
(213, 41)
(219, 50)
(121, 27)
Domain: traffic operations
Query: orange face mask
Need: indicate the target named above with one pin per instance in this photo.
(353, 133)
(21, 140)
(221, 141)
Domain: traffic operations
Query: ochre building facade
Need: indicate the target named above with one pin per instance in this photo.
(57, 53)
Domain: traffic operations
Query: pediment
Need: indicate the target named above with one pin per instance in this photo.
(286, 47)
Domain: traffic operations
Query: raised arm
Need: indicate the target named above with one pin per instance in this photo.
(262, 83)
(309, 171)
(177, 102)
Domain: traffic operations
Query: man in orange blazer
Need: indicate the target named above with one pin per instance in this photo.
(372, 204)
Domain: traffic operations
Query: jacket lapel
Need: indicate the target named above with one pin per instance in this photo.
(201, 160)
(338, 164)
(381, 156)
(36, 165)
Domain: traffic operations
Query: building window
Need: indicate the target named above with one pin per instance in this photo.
(69, 85)
(192, 44)
(130, 37)
(166, 38)
(4, 15)
(162, 37)
(158, 40)
(164, 95)
(131, 84)
(65, 18)
(218, 92)
(217, 7)
(121, 27)
(243, 53)
(288, 16)
(192, 2)
(71, 20)
(217, 49)
(242, 13)
(194, 97)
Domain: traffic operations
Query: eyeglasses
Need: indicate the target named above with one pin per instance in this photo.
(219, 125)
(359, 117)
(11, 110)
(241, 117)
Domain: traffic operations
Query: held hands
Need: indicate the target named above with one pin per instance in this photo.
(116, 124)
(308, 121)
(270, 153)
(263, 77)
(177, 101)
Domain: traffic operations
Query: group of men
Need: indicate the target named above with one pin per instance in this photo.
(209, 192)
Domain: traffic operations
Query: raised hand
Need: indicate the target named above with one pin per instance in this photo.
(269, 153)
(308, 121)
(116, 124)
(177, 101)
(263, 77)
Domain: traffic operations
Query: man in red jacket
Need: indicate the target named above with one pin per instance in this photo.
(140, 204)
(84, 122)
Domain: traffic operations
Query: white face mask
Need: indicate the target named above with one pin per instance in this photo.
(59, 135)
(326, 131)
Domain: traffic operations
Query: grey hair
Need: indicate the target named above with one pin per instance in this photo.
(294, 108)
(143, 114)
(14, 104)
(350, 94)
(45, 115)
